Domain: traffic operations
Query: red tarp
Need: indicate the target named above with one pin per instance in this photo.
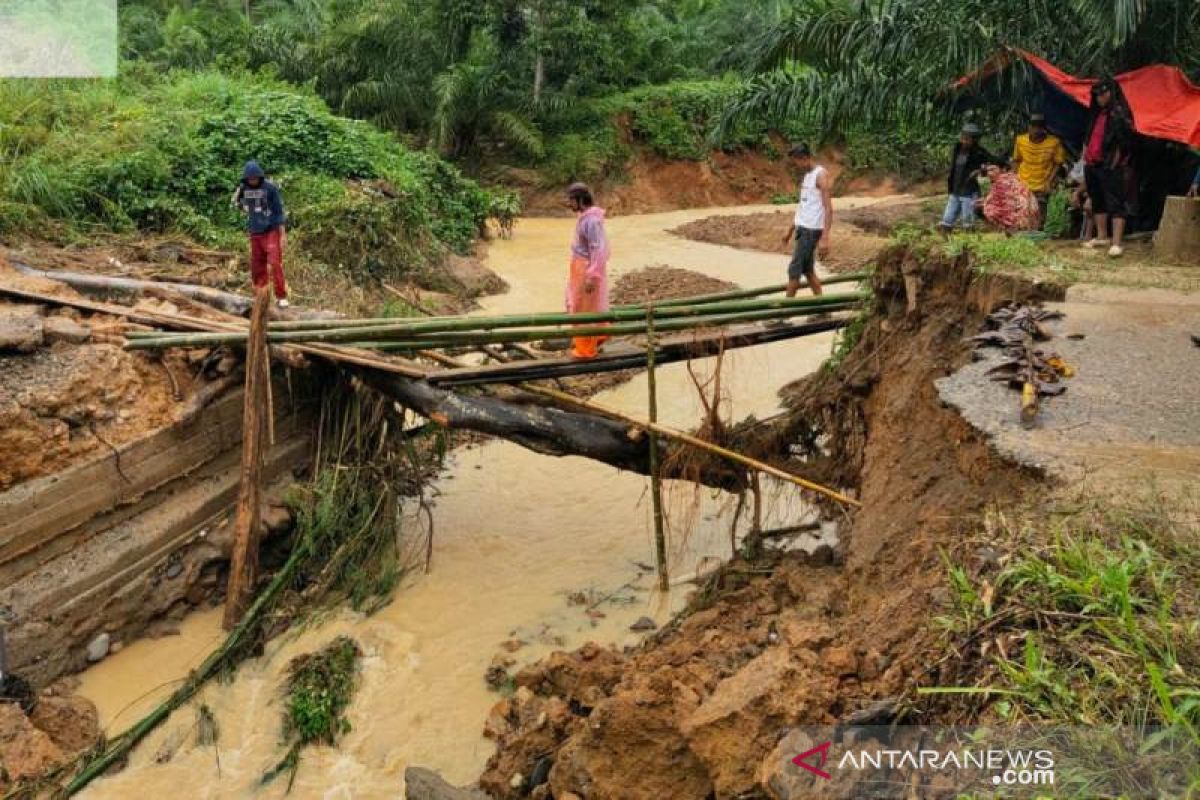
(1165, 104)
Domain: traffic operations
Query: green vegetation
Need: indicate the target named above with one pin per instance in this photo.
(152, 154)
(888, 62)
(1085, 616)
(996, 252)
(319, 689)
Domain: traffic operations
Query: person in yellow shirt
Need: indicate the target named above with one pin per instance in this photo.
(1038, 157)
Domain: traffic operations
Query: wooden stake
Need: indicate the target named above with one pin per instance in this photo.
(243, 565)
(660, 537)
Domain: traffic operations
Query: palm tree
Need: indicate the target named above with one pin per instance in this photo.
(475, 100)
(845, 61)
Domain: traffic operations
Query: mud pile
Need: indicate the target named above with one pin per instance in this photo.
(39, 733)
(789, 640)
(74, 393)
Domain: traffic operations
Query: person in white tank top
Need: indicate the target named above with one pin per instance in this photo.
(811, 224)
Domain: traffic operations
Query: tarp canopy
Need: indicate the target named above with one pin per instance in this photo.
(1165, 104)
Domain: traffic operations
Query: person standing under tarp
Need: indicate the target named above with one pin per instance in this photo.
(587, 286)
(1194, 189)
(259, 199)
(1108, 156)
(962, 184)
(1038, 156)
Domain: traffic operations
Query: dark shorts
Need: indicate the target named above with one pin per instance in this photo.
(804, 255)
(1113, 190)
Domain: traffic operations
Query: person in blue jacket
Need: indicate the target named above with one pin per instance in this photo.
(259, 199)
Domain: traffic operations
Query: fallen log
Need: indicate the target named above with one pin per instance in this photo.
(547, 430)
(105, 284)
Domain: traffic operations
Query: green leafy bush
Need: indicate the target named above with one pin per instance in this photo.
(157, 154)
(676, 120)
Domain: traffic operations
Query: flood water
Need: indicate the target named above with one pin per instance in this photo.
(516, 535)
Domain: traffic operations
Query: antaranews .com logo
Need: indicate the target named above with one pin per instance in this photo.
(933, 762)
(1009, 767)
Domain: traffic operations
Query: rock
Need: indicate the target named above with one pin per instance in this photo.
(840, 661)
(71, 722)
(473, 276)
(723, 729)
(21, 328)
(644, 624)
(277, 519)
(425, 784)
(174, 570)
(97, 648)
(64, 329)
(25, 751)
(116, 648)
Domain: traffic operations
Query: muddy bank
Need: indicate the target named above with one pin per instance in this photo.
(779, 641)
(858, 233)
(42, 731)
(652, 184)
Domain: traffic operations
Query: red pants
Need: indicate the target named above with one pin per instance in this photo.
(266, 251)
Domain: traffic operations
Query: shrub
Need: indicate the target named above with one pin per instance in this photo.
(158, 154)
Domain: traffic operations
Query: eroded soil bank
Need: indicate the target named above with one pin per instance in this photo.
(775, 642)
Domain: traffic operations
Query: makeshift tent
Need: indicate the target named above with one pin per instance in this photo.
(1166, 111)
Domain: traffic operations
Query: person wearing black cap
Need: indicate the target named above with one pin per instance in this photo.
(966, 161)
(812, 221)
(1108, 164)
(1038, 156)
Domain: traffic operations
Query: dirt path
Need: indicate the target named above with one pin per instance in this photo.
(1132, 409)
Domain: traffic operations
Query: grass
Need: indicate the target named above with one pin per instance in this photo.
(996, 253)
(1083, 616)
(846, 339)
(319, 688)
(1058, 260)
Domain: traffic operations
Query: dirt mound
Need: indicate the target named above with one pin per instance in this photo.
(59, 727)
(857, 236)
(664, 283)
(851, 247)
(791, 639)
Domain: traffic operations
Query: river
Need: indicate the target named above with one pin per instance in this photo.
(516, 535)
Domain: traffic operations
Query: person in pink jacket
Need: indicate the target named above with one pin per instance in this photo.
(587, 286)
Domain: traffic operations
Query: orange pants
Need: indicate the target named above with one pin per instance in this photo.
(580, 302)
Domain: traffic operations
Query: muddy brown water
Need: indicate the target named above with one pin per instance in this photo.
(516, 535)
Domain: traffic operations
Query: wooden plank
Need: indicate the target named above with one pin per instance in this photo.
(243, 565)
(34, 512)
(623, 356)
(62, 540)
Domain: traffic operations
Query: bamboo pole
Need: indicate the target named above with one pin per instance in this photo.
(694, 441)
(661, 305)
(471, 338)
(243, 565)
(660, 537)
(468, 338)
(348, 332)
